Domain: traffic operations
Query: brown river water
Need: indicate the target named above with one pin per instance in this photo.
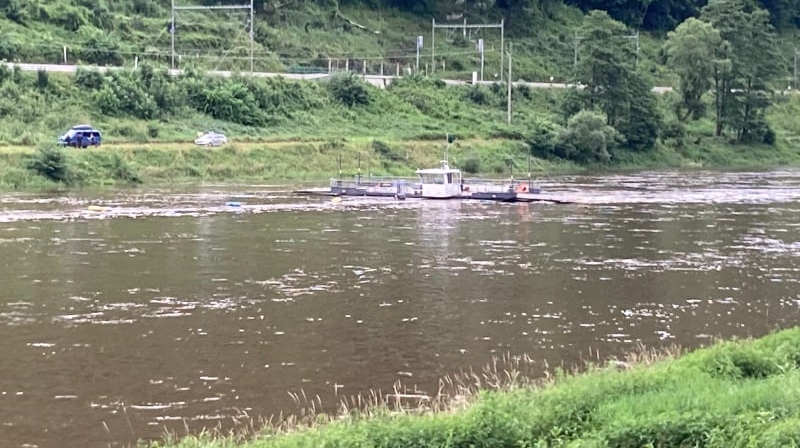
(170, 310)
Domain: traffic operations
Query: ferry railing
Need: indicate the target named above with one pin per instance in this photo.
(500, 185)
(373, 181)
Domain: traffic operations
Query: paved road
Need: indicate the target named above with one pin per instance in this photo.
(377, 80)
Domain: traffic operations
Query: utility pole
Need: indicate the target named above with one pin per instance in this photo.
(502, 39)
(464, 27)
(480, 50)
(172, 36)
(794, 77)
(508, 99)
(252, 38)
(433, 45)
(419, 46)
(635, 37)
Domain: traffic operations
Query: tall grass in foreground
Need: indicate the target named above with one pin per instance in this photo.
(732, 394)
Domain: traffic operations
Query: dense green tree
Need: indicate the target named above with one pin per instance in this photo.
(587, 137)
(783, 13)
(519, 14)
(642, 120)
(692, 50)
(742, 79)
(20, 11)
(665, 15)
(604, 64)
(607, 70)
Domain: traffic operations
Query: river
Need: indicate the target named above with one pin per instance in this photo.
(130, 312)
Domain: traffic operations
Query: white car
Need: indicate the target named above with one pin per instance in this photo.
(211, 138)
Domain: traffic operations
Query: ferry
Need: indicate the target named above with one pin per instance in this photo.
(442, 182)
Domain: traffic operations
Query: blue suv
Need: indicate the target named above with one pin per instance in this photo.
(81, 136)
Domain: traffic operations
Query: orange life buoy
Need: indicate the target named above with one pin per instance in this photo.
(522, 188)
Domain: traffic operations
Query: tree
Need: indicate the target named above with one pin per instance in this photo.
(519, 14)
(691, 51)
(783, 13)
(642, 121)
(587, 137)
(746, 64)
(607, 70)
(349, 89)
(604, 64)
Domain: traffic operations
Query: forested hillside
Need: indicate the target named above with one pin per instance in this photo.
(357, 34)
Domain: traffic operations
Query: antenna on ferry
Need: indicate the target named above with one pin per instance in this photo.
(529, 173)
(447, 148)
(450, 138)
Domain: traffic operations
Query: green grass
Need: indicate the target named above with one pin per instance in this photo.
(410, 124)
(741, 393)
(291, 162)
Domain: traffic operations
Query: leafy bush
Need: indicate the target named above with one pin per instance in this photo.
(741, 362)
(152, 131)
(230, 101)
(471, 165)
(385, 150)
(587, 137)
(478, 95)
(88, 79)
(349, 89)
(541, 139)
(51, 162)
(122, 170)
(42, 80)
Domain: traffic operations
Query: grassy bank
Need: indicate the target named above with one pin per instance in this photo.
(286, 161)
(293, 161)
(290, 131)
(733, 394)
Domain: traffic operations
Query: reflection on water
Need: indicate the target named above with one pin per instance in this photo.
(165, 309)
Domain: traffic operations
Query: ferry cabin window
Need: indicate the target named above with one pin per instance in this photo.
(449, 178)
(432, 178)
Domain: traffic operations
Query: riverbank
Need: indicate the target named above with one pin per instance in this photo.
(172, 163)
(278, 161)
(733, 394)
(285, 130)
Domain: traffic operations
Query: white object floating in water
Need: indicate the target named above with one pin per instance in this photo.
(97, 208)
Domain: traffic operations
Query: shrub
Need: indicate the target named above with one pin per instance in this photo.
(152, 131)
(385, 150)
(542, 137)
(230, 101)
(349, 89)
(472, 165)
(88, 79)
(120, 169)
(42, 80)
(50, 162)
(587, 137)
(741, 362)
(478, 95)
